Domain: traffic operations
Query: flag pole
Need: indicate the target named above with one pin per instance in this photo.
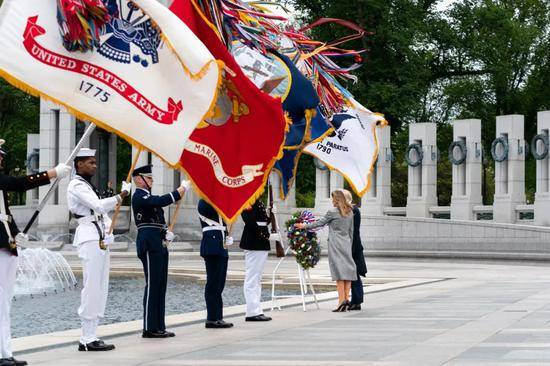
(54, 185)
(128, 179)
(176, 213)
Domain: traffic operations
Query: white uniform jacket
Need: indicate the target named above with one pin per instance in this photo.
(81, 198)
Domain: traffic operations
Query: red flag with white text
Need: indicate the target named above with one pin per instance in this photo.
(230, 155)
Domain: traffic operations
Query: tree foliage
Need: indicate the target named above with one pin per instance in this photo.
(473, 59)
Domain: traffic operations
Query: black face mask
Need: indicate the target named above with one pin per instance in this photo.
(87, 178)
(145, 182)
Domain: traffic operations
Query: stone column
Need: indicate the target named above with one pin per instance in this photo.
(33, 149)
(326, 182)
(422, 182)
(467, 176)
(142, 160)
(322, 189)
(57, 140)
(379, 195)
(510, 174)
(542, 196)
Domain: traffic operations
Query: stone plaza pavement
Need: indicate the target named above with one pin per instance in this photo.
(433, 312)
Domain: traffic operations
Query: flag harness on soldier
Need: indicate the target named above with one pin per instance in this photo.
(93, 218)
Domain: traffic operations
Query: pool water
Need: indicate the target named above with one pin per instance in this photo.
(56, 312)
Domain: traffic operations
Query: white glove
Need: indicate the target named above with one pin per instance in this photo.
(229, 241)
(274, 209)
(185, 184)
(275, 237)
(126, 186)
(21, 239)
(62, 170)
(109, 239)
(169, 237)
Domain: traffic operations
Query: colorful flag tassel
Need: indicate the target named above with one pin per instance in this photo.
(81, 22)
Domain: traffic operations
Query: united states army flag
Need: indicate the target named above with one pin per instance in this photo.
(148, 79)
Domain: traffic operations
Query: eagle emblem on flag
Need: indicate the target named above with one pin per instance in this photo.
(129, 26)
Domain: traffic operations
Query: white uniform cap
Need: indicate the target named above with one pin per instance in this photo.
(85, 153)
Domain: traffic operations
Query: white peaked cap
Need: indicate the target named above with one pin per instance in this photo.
(85, 153)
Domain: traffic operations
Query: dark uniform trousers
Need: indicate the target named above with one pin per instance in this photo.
(357, 293)
(216, 272)
(155, 267)
(215, 257)
(149, 218)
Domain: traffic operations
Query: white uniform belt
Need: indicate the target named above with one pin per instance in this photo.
(87, 219)
(5, 218)
(210, 228)
(261, 223)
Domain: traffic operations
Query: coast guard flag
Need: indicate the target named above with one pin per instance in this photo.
(230, 155)
(149, 78)
(353, 149)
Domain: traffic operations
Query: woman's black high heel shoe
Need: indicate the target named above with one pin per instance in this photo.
(348, 305)
(342, 307)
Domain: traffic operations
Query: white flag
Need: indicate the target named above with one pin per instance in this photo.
(353, 149)
(150, 79)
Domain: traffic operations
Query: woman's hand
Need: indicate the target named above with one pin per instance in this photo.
(300, 225)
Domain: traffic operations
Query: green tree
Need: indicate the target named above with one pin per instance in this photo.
(476, 59)
(18, 117)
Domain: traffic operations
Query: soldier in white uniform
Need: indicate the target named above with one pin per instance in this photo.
(92, 240)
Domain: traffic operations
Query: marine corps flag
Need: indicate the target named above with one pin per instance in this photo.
(353, 149)
(230, 155)
(135, 69)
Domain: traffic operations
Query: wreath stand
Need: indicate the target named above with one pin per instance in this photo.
(306, 286)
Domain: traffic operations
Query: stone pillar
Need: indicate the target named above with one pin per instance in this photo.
(187, 226)
(467, 176)
(379, 195)
(327, 181)
(163, 177)
(422, 182)
(322, 189)
(163, 182)
(542, 196)
(57, 140)
(510, 174)
(33, 156)
(113, 147)
(142, 160)
(283, 205)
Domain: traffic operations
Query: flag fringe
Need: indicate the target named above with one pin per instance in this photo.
(84, 117)
(254, 197)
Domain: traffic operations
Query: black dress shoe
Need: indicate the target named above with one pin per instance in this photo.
(6, 362)
(98, 345)
(169, 334)
(354, 307)
(217, 324)
(15, 362)
(156, 334)
(258, 318)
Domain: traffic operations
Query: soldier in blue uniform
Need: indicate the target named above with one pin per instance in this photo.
(214, 253)
(152, 240)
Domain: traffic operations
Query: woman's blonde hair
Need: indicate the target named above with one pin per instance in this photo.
(342, 204)
(348, 196)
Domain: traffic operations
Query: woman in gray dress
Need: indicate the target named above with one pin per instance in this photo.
(341, 264)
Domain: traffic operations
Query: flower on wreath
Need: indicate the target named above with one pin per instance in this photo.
(304, 243)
